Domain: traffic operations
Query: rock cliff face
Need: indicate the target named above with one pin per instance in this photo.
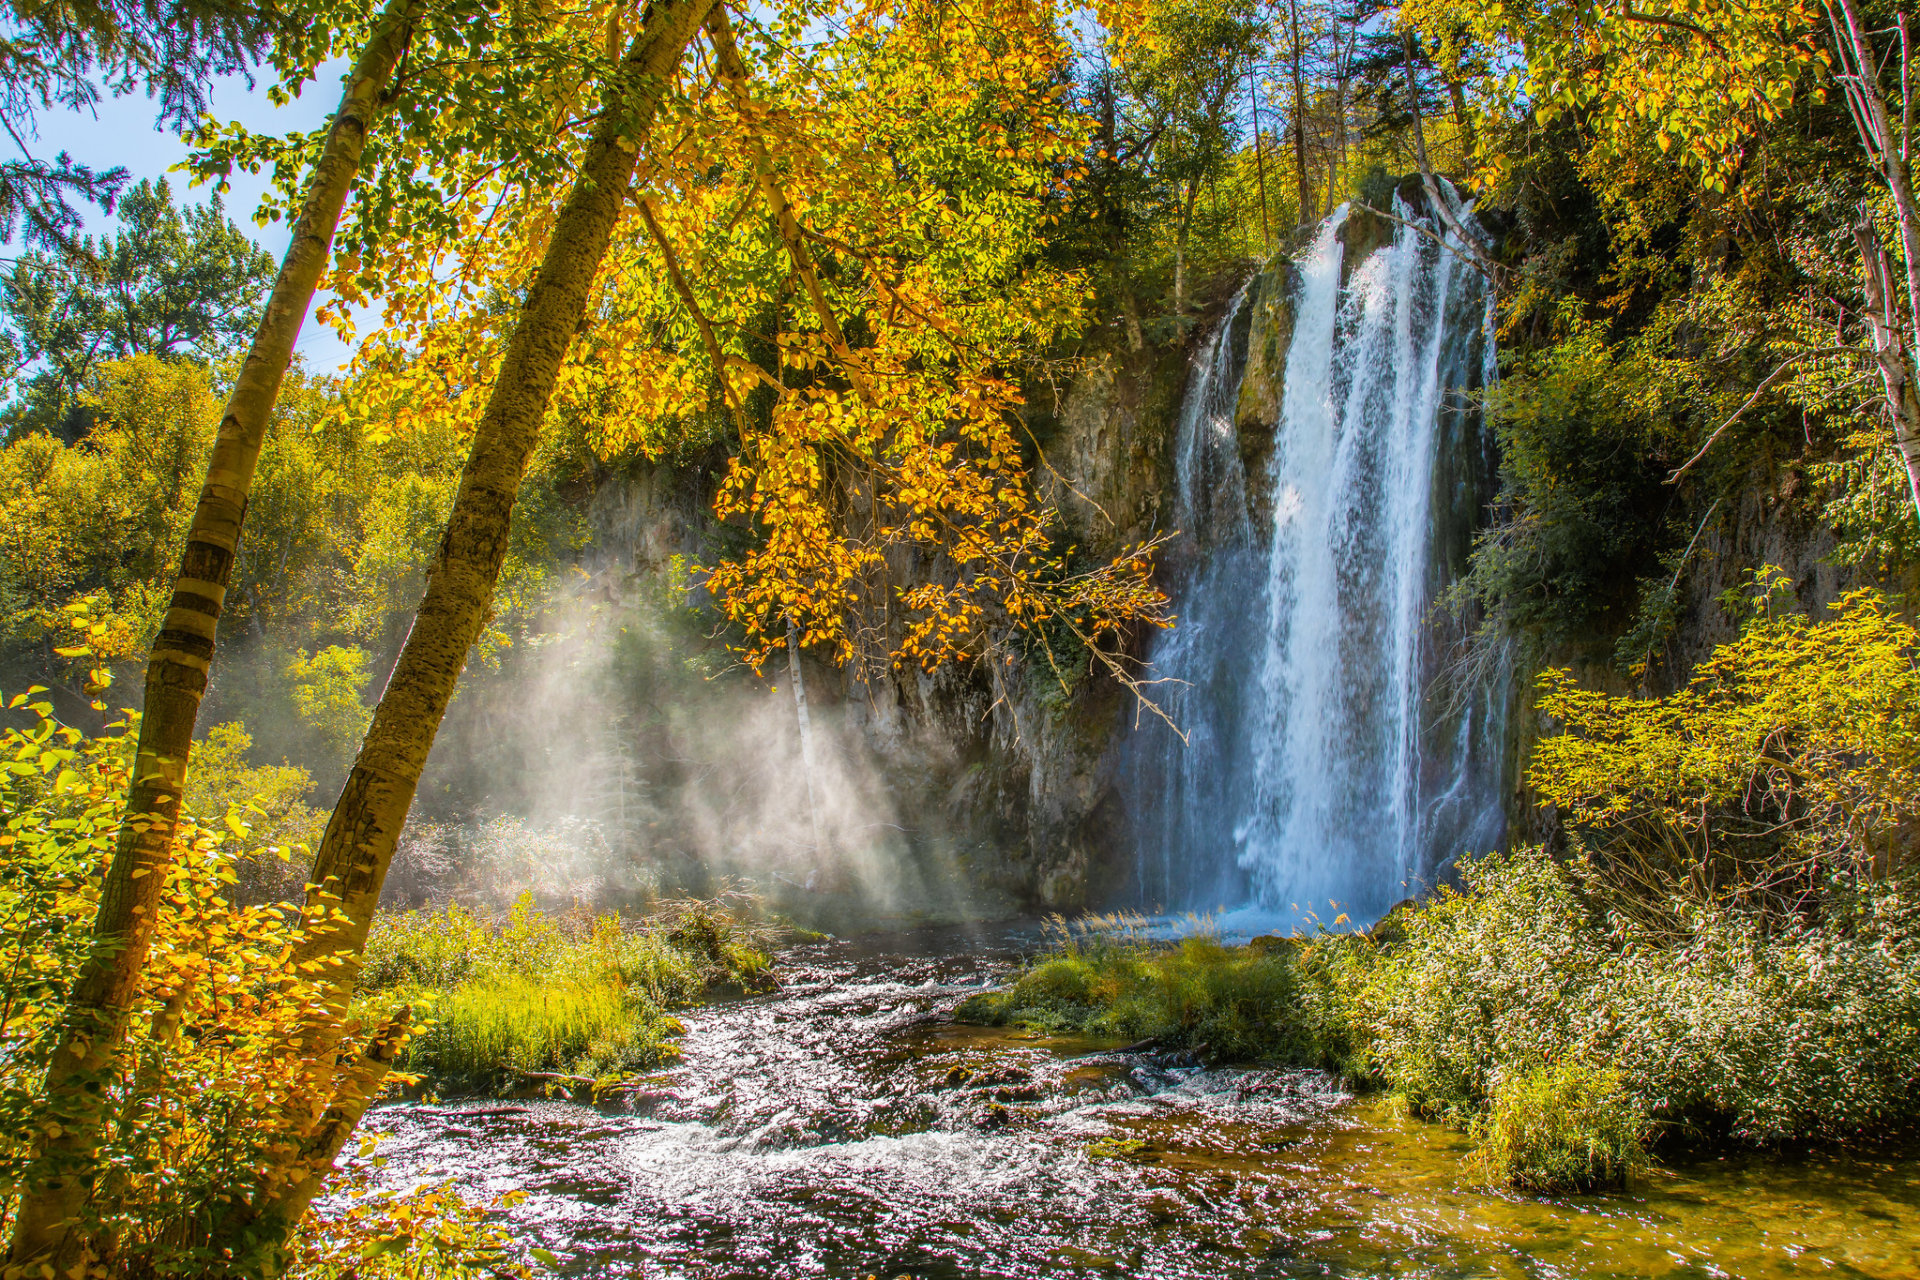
(1006, 772)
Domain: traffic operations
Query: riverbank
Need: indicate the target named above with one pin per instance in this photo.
(846, 1126)
(573, 1000)
(1569, 1038)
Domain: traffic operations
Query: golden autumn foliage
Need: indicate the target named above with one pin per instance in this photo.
(1793, 756)
(1699, 75)
(835, 268)
(201, 1097)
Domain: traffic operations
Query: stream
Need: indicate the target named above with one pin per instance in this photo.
(844, 1127)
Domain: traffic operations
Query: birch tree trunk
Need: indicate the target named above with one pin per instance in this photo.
(1887, 339)
(57, 1189)
(1892, 338)
(357, 847)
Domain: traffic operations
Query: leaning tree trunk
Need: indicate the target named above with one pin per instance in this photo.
(57, 1186)
(351, 863)
(1891, 337)
(357, 847)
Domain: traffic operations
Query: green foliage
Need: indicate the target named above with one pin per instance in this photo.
(207, 1082)
(1762, 1035)
(172, 282)
(1793, 756)
(100, 517)
(270, 799)
(1103, 979)
(512, 1028)
(1560, 1127)
(1582, 427)
(423, 949)
(328, 691)
(571, 995)
(340, 524)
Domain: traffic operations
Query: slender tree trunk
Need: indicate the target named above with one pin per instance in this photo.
(1887, 145)
(57, 1188)
(1259, 159)
(357, 848)
(1180, 249)
(1462, 117)
(1892, 337)
(1887, 338)
(1300, 170)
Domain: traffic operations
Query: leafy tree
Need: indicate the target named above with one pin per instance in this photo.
(171, 282)
(106, 983)
(66, 55)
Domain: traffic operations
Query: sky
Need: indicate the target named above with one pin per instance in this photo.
(122, 132)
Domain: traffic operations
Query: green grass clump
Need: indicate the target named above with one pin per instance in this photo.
(1560, 1127)
(493, 1032)
(539, 995)
(1238, 1003)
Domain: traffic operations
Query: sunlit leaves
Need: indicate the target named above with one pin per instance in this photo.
(875, 457)
(1699, 75)
(1794, 752)
(211, 1080)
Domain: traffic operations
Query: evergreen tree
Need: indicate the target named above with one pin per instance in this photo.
(172, 282)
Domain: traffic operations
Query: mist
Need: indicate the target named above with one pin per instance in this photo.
(621, 755)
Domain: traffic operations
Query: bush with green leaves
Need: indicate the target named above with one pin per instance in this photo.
(1561, 1126)
(1736, 1029)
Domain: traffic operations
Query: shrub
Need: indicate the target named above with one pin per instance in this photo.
(423, 948)
(1478, 981)
(1561, 1126)
(1790, 759)
(212, 1085)
(1732, 1027)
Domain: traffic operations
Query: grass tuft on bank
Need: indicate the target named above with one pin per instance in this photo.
(539, 995)
(1565, 1126)
(1103, 977)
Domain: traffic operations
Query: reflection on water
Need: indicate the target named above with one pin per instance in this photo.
(843, 1128)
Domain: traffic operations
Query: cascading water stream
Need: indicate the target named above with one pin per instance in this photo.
(1323, 771)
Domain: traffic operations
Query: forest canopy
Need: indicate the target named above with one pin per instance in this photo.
(833, 259)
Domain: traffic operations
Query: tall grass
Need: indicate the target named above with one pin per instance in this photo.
(539, 995)
(1564, 1126)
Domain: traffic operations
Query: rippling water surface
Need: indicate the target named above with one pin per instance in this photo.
(844, 1127)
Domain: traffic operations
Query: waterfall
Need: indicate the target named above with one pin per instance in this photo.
(1324, 770)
